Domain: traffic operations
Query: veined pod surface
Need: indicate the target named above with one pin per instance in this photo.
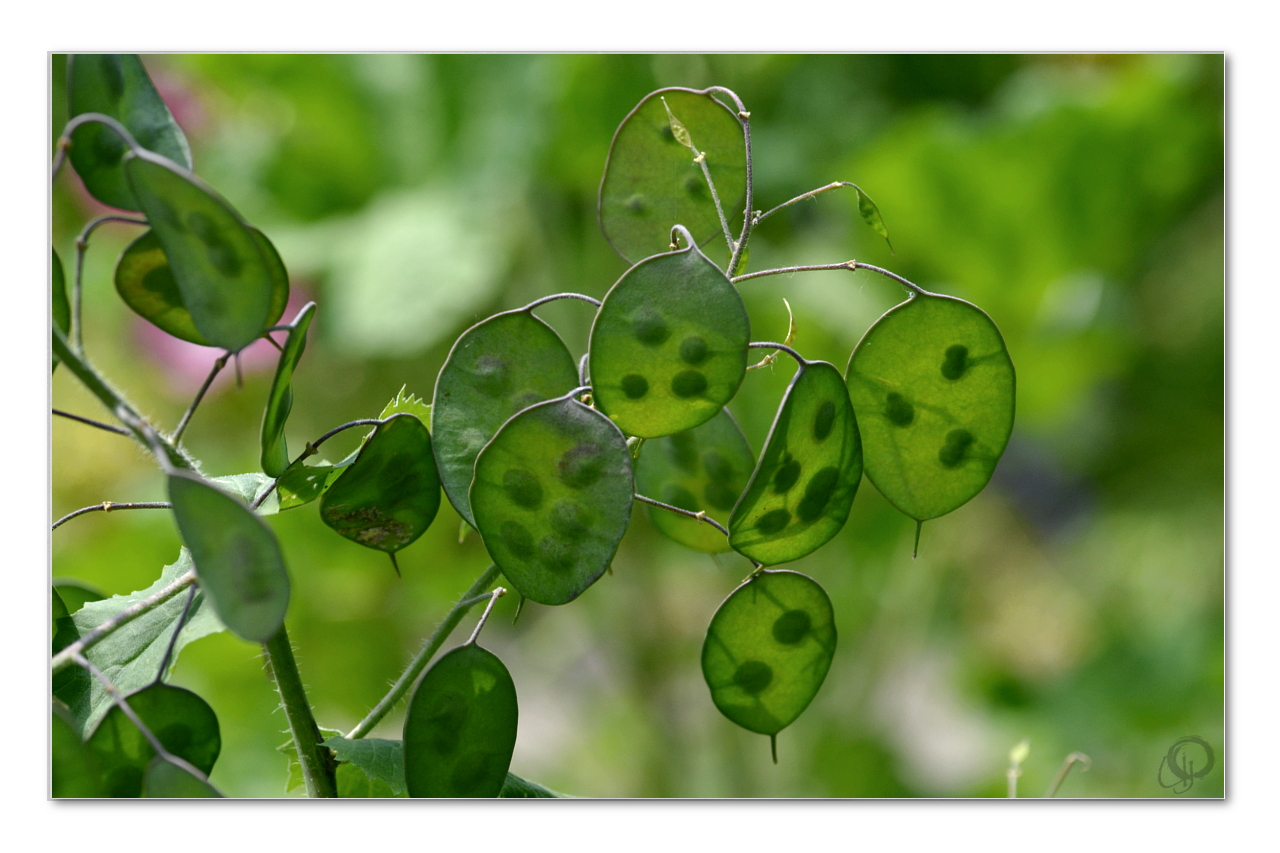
(225, 278)
(496, 368)
(808, 474)
(183, 722)
(934, 387)
(460, 729)
(145, 282)
(768, 649)
(390, 494)
(651, 181)
(275, 450)
(704, 469)
(237, 557)
(669, 345)
(117, 85)
(552, 497)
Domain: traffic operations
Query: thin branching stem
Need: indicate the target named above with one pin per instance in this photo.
(312, 449)
(114, 692)
(847, 265)
(744, 118)
(110, 506)
(82, 246)
(470, 598)
(484, 617)
(773, 345)
(99, 424)
(177, 629)
(66, 657)
(698, 516)
(834, 185)
(1071, 760)
(63, 145)
(553, 297)
(191, 410)
(685, 138)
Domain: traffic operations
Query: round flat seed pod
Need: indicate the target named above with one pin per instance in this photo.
(768, 649)
(651, 181)
(460, 729)
(275, 450)
(703, 469)
(552, 497)
(496, 368)
(74, 770)
(61, 307)
(145, 282)
(389, 496)
(669, 345)
(933, 386)
(168, 781)
(225, 278)
(802, 488)
(183, 722)
(118, 86)
(237, 557)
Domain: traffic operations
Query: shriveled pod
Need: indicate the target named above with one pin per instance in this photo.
(669, 345)
(933, 386)
(768, 649)
(390, 494)
(495, 369)
(182, 721)
(60, 306)
(704, 469)
(275, 450)
(145, 282)
(460, 729)
(552, 497)
(808, 474)
(651, 181)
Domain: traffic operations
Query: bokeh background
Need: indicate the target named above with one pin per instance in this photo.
(1077, 602)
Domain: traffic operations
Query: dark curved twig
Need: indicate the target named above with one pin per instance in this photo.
(99, 424)
(773, 345)
(109, 506)
(191, 410)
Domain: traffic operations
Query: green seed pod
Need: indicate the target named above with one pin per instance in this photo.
(933, 386)
(183, 722)
(275, 450)
(389, 496)
(226, 279)
(74, 770)
(768, 649)
(496, 368)
(61, 307)
(236, 555)
(802, 488)
(145, 282)
(167, 781)
(669, 345)
(118, 86)
(460, 729)
(651, 181)
(552, 497)
(702, 469)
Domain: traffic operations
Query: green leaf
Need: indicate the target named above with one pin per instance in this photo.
(146, 283)
(247, 487)
(170, 782)
(552, 497)
(669, 345)
(871, 215)
(74, 770)
(389, 496)
(801, 490)
(61, 306)
(289, 750)
(275, 450)
(180, 719)
(236, 555)
(409, 404)
(130, 656)
(117, 85)
(226, 279)
(354, 783)
(933, 386)
(377, 759)
(651, 182)
(301, 483)
(460, 729)
(73, 680)
(516, 788)
(496, 368)
(76, 594)
(768, 649)
(702, 469)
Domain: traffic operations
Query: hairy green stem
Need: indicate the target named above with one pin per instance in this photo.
(167, 455)
(82, 246)
(67, 656)
(316, 759)
(469, 599)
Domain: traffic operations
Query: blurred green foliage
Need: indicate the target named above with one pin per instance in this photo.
(1078, 601)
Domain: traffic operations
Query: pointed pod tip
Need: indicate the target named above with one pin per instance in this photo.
(773, 745)
(915, 549)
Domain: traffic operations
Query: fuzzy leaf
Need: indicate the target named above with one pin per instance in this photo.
(376, 758)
